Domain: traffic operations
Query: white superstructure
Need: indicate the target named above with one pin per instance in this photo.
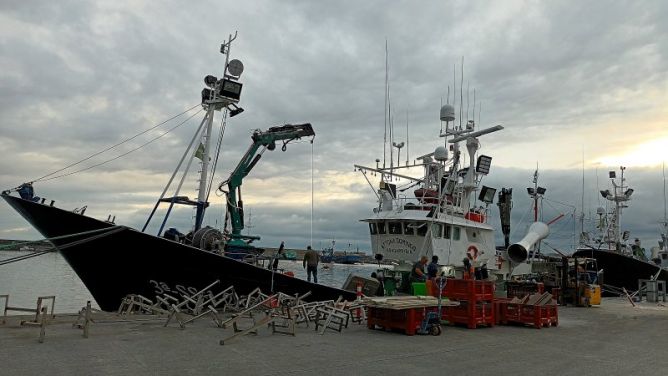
(443, 212)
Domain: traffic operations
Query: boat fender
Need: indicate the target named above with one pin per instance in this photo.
(472, 252)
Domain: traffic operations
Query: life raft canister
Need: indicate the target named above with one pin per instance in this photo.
(472, 252)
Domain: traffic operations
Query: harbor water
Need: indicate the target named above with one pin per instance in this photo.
(49, 274)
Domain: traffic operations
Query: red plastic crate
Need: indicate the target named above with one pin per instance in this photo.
(470, 314)
(536, 316)
(407, 320)
(539, 316)
(468, 289)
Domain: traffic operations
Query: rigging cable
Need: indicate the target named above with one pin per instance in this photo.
(311, 242)
(113, 146)
(124, 154)
(223, 125)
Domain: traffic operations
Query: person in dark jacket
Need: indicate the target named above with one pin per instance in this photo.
(432, 268)
(417, 272)
(311, 260)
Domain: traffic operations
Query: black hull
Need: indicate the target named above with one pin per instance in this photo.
(620, 270)
(128, 261)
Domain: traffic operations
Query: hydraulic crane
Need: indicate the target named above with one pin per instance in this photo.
(262, 141)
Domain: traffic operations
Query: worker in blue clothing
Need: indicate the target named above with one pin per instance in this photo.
(432, 268)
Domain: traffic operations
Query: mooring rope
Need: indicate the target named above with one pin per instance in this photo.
(105, 232)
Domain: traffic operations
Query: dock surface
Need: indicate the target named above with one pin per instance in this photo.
(614, 339)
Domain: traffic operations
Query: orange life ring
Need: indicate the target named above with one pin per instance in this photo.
(472, 252)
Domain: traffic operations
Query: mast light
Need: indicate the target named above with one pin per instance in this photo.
(484, 164)
(487, 194)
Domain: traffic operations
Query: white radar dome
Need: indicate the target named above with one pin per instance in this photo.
(447, 112)
(441, 154)
(600, 210)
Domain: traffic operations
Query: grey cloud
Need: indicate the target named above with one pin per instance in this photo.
(540, 69)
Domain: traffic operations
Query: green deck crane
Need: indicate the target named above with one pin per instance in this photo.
(262, 141)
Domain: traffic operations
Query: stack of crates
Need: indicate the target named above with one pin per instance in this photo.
(475, 302)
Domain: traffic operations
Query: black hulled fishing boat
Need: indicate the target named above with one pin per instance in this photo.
(113, 261)
(621, 264)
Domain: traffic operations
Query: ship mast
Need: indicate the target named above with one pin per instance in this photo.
(224, 96)
(621, 193)
(219, 95)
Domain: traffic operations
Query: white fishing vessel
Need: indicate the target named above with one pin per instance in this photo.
(444, 211)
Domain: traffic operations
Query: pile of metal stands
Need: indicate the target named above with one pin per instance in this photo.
(41, 312)
(244, 314)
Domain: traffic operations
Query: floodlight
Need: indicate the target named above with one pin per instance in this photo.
(235, 110)
(487, 194)
(484, 163)
(230, 89)
(210, 81)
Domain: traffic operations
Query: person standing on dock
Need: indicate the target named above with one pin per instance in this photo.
(417, 272)
(311, 259)
(432, 268)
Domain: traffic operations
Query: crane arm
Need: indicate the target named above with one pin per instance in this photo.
(267, 141)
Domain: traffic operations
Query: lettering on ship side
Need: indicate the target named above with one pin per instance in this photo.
(397, 245)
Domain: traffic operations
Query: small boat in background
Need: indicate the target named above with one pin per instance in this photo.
(329, 256)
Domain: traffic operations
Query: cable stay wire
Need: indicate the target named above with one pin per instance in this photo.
(126, 153)
(43, 178)
(101, 232)
(223, 125)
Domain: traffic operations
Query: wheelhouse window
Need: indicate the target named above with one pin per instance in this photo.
(456, 233)
(409, 228)
(373, 229)
(436, 230)
(448, 231)
(394, 228)
(381, 227)
(421, 229)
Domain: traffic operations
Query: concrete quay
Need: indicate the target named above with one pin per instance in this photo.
(614, 339)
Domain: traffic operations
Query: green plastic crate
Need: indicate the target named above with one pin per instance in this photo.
(419, 289)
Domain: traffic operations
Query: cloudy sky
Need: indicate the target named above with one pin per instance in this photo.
(581, 88)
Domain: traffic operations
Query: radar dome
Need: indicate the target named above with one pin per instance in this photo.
(447, 112)
(600, 210)
(441, 154)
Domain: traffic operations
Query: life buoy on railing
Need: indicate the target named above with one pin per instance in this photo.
(472, 252)
(499, 262)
